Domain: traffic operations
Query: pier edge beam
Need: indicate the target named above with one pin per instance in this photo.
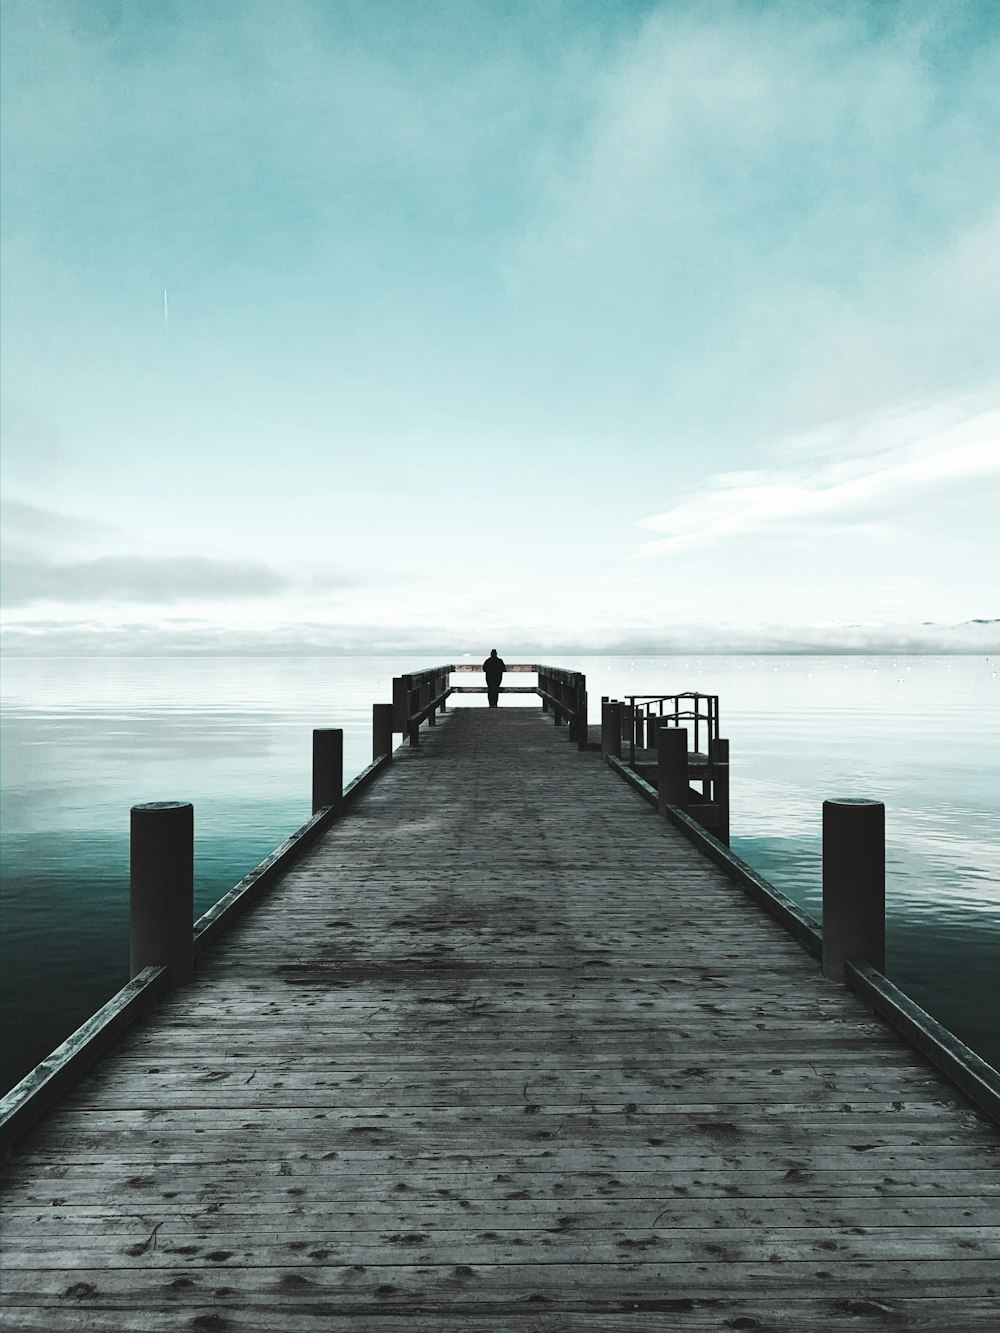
(853, 885)
(672, 767)
(381, 730)
(161, 889)
(328, 769)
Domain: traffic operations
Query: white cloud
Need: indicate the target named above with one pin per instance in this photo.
(139, 579)
(897, 479)
(34, 526)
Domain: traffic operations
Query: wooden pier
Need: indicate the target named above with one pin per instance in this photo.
(505, 1051)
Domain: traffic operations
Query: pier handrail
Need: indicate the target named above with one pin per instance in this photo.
(418, 696)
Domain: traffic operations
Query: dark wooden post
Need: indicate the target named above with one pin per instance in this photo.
(582, 733)
(543, 684)
(853, 885)
(399, 702)
(652, 722)
(444, 690)
(161, 893)
(328, 768)
(611, 728)
(429, 703)
(718, 754)
(411, 701)
(672, 767)
(381, 730)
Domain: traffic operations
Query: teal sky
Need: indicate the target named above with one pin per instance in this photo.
(333, 325)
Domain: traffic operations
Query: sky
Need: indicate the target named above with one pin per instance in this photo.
(334, 326)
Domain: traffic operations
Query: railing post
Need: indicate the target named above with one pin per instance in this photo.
(161, 891)
(582, 732)
(652, 722)
(628, 722)
(328, 768)
(399, 702)
(543, 685)
(611, 728)
(672, 767)
(381, 730)
(411, 703)
(429, 703)
(718, 754)
(853, 884)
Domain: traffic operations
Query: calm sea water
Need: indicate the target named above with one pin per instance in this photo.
(85, 739)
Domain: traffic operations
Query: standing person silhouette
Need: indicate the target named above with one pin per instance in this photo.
(493, 668)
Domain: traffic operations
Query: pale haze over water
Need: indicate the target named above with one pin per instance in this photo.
(84, 739)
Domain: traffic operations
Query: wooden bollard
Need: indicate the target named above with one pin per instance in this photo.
(611, 728)
(672, 767)
(853, 885)
(718, 753)
(328, 768)
(161, 892)
(381, 730)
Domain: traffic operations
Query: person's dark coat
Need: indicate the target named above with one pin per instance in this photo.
(493, 669)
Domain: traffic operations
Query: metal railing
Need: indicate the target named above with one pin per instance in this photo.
(643, 713)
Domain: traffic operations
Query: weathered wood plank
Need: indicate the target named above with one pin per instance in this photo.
(257, 1212)
(753, 1242)
(832, 1314)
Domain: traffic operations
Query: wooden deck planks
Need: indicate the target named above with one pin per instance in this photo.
(504, 1051)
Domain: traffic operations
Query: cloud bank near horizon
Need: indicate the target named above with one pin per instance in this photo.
(204, 638)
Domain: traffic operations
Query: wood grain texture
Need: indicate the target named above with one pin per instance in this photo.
(503, 1051)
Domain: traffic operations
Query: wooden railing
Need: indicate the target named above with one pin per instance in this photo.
(418, 696)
